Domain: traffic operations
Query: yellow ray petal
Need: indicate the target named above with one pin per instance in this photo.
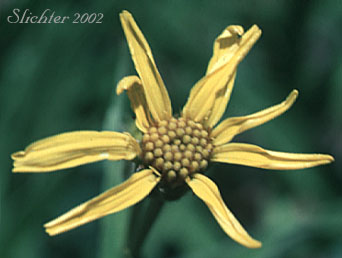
(156, 94)
(225, 46)
(72, 149)
(208, 192)
(221, 100)
(133, 190)
(255, 156)
(135, 92)
(201, 102)
(230, 127)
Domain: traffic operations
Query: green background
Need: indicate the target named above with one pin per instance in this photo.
(61, 77)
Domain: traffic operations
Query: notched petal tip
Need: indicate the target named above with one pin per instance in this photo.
(206, 102)
(16, 157)
(50, 231)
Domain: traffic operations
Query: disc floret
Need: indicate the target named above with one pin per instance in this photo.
(177, 148)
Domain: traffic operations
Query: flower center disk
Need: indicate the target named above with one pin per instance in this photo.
(177, 148)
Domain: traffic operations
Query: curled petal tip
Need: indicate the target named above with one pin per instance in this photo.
(324, 159)
(127, 83)
(236, 29)
(294, 94)
(18, 155)
(232, 30)
(120, 89)
(291, 98)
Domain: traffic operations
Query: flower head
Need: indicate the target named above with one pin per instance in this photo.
(175, 150)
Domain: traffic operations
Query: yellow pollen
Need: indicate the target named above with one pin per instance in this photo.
(203, 164)
(182, 147)
(153, 130)
(204, 134)
(167, 147)
(203, 142)
(183, 172)
(158, 152)
(188, 154)
(181, 124)
(159, 163)
(191, 123)
(163, 123)
(205, 153)
(167, 165)
(180, 132)
(194, 165)
(177, 165)
(199, 126)
(186, 139)
(165, 138)
(162, 130)
(149, 146)
(146, 137)
(194, 140)
(171, 175)
(172, 126)
(159, 144)
(171, 134)
(177, 141)
(177, 156)
(174, 148)
(168, 156)
(149, 156)
(154, 137)
(197, 133)
(185, 162)
(190, 147)
(197, 156)
(199, 148)
(188, 130)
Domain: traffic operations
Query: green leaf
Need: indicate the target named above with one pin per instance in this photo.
(113, 228)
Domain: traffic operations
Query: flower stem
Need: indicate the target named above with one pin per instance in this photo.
(142, 218)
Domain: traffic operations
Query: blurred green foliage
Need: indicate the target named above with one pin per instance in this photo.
(61, 77)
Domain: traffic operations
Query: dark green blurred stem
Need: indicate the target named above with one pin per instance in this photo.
(142, 218)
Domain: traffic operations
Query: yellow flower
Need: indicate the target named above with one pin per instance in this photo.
(174, 151)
